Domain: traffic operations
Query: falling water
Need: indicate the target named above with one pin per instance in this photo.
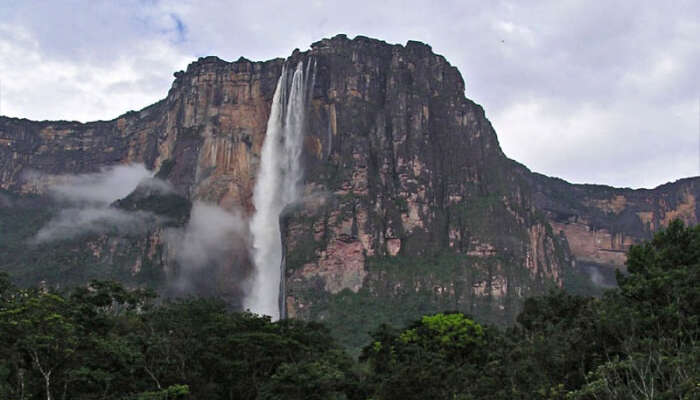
(277, 186)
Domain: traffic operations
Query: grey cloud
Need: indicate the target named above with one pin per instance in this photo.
(603, 144)
(636, 61)
(74, 222)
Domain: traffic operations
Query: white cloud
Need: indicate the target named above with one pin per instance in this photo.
(213, 240)
(38, 86)
(625, 144)
(103, 187)
(210, 234)
(87, 199)
(74, 222)
(585, 64)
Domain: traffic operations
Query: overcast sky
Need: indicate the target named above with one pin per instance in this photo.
(592, 92)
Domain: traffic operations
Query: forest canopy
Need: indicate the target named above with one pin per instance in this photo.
(104, 341)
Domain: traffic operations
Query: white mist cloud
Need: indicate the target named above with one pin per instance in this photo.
(103, 187)
(212, 236)
(600, 276)
(155, 186)
(73, 222)
(209, 234)
(87, 199)
(596, 277)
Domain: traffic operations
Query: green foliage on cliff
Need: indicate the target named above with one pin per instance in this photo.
(70, 261)
(61, 262)
(403, 288)
(106, 342)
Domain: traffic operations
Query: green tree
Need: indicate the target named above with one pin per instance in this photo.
(656, 322)
(558, 339)
(661, 287)
(443, 355)
(38, 328)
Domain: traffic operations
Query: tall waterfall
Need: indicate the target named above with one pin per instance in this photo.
(278, 185)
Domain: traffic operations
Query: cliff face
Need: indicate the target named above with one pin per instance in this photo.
(204, 139)
(599, 223)
(208, 132)
(410, 204)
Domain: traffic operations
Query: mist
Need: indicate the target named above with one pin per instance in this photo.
(85, 201)
(208, 256)
(103, 187)
(74, 222)
(211, 254)
(601, 276)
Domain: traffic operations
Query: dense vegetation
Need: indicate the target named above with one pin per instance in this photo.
(76, 260)
(639, 341)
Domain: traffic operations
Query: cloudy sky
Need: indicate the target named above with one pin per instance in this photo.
(593, 92)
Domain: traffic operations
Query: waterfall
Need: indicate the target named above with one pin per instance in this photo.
(277, 186)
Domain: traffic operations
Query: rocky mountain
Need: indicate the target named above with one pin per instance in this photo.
(410, 205)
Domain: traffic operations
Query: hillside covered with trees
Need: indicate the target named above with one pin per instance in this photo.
(638, 341)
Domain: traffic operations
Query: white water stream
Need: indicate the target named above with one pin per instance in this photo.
(277, 185)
